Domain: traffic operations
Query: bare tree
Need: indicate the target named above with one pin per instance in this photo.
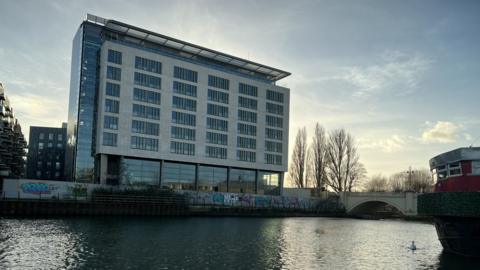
(357, 173)
(397, 182)
(344, 168)
(317, 158)
(417, 180)
(376, 183)
(298, 165)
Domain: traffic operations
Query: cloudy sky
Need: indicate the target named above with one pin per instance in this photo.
(401, 76)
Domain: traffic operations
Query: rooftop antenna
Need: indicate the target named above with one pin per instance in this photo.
(474, 141)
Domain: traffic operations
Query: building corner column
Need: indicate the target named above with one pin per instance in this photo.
(228, 178)
(256, 181)
(281, 182)
(162, 174)
(197, 167)
(103, 169)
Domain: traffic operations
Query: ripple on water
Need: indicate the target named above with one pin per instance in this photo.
(219, 243)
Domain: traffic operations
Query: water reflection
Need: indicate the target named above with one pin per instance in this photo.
(220, 243)
(38, 244)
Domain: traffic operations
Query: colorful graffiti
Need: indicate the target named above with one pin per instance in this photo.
(218, 198)
(254, 200)
(37, 188)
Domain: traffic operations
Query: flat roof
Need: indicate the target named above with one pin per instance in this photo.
(459, 154)
(242, 65)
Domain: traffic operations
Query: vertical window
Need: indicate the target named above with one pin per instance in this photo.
(184, 103)
(218, 82)
(146, 112)
(143, 172)
(184, 89)
(143, 127)
(41, 136)
(183, 118)
(273, 159)
(247, 89)
(185, 74)
(274, 134)
(141, 143)
(114, 73)
(217, 138)
(217, 110)
(273, 146)
(114, 57)
(109, 139)
(148, 65)
(182, 148)
(183, 133)
(247, 116)
(249, 143)
(111, 106)
(216, 152)
(248, 156)
(112, 89)
(217, 124)
(247, 103)
(275, 96)
(217, 96)
(454, 169)
(147, 80)
(274, 108)
(110, 122)
(246, 129)
(274, 121)
(146, 96)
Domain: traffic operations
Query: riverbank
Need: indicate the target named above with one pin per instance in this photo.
(104, 207)
(107, 206)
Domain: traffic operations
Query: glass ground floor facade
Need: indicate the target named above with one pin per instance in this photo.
(189, 176)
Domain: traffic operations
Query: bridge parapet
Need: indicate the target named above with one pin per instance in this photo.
(405, 202)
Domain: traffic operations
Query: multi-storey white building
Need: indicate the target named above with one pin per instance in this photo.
(170, 113)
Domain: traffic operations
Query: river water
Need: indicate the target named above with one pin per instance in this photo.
(221, 243)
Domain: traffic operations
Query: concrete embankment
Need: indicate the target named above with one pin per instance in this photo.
(146, 208)
(94, 208)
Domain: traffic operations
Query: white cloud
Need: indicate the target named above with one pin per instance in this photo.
(396, 71)
(37, 110)
(441, 132)
(389, 145)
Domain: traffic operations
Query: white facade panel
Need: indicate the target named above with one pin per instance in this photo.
(126, 102)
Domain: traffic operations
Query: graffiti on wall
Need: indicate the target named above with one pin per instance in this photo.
(251, 200)
(38, 188)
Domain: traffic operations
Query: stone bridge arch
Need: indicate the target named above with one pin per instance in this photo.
(373, 205)
(405, 203)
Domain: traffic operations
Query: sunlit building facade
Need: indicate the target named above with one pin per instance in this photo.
(147, 109)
